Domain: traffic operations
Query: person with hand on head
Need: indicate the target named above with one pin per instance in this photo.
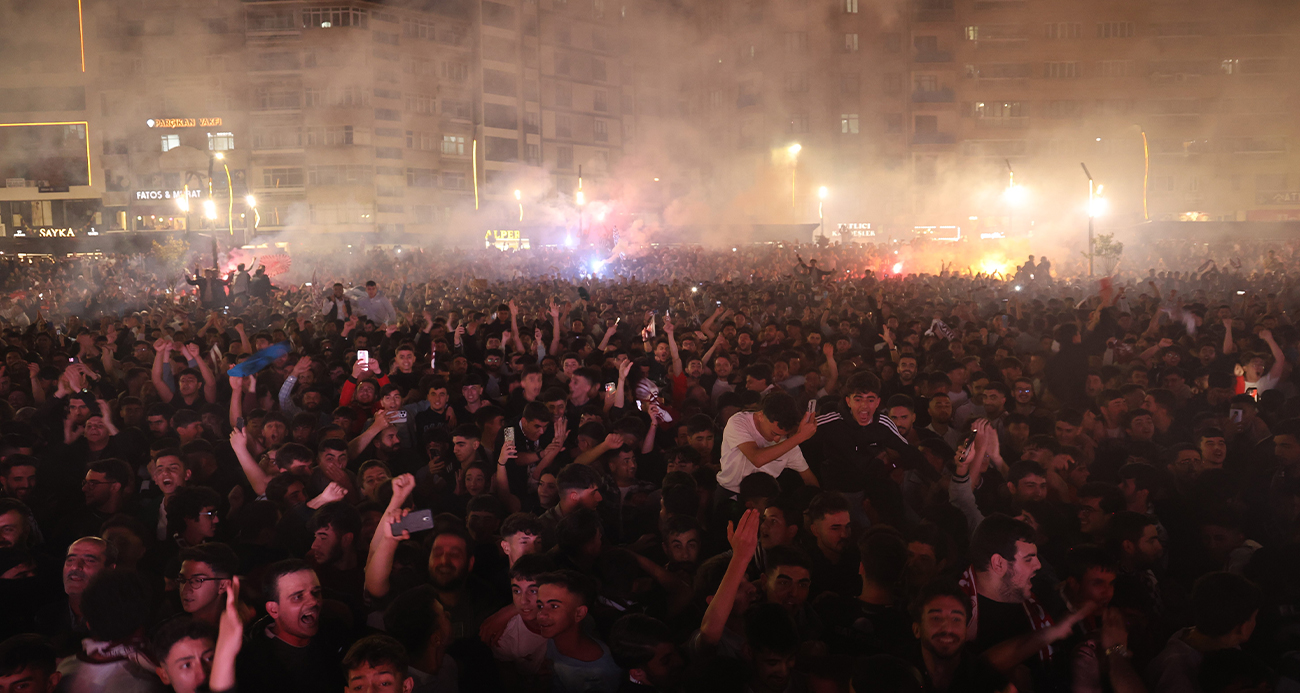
(764, 441)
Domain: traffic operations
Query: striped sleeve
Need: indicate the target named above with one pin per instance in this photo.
(889, 423)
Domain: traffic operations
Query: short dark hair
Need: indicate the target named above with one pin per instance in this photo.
(536, 411)
(221, 558)
(341, 516)
(576, 529)
(186, 503)
(826, 503)
(998, 534)
(1023, 468)
(1222, 601)
(935, 590)
(521, 523)
(579, 585)
(116, 605)
(376, 650)
(1127, 525)
(779, 408)
(1112, 501)
(862, 383)
(277, 570)
(1085, 557)
(530, 565)
(633, 639)
(1144, 476)
(884, 556)
(287, 454)
(174, 630)
(576, 477)
(116, 470)
(787, 555)
(27, 651)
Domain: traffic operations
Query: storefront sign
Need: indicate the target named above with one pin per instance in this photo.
(505, 239)
(857, 230)
(46, 232)
(1277, 198)
(144, 195)
(210, 122)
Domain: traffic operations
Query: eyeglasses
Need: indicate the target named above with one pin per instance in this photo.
(208, 513)
(195, 582)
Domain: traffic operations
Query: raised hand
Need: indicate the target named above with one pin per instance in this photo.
(743, 535)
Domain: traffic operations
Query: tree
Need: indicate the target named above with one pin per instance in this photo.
(1106, 252)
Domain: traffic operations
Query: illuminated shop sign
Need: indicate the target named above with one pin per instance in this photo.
(505, 239)
(857, 230)
(50, 232)
(210, 122)
(164, 194)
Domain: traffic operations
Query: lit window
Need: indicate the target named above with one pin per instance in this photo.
(170, 142)
(219, 141)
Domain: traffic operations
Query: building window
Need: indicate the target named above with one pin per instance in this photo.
(926, 124)
(453, 144)
(282, 178)
(330, 136)
(564, 157)
(849, 123)
(456, 72)
(418, 28)
(1059, 31)
(997, 109)
(926, 83)
(600, 100)
(851, 6)
(422, 141)
(601, 131)
(1112, 30)
(533, 152)
(893, 122)
(563, 36)
(387, 114)
(798, 123)
(564, 95)
(1061, 70)
(796, 41)
(221, 141)
(850, 43)
(170, 142)
(327, 17)
(925, 45)
(796, 82)
(421, 178)
(1115, 68)
(386, 37)
(388, 153)
(563, 125)
(562, 64)
(598, 70)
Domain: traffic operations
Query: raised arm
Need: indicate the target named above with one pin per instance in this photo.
(230, 638)
(257, 478)
(1228, 345)
(672, 347)
(1279, 358)
(763, 456)
(502, 485)
(357, 445)
(379, 564)
(556, 339)
(514, 327)
(161, 351)
(191, 352)
(743, 538)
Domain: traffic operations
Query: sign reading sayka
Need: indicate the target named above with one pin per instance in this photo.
(210, 122)
(46, 232)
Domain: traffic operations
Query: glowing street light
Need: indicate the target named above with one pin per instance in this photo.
(219, 156)
(580, 198)
(210, 209)
(794, 150)
(1015, 195)
(519, 197)
(183, 202)
(250, 201)
(1096, 207)
(822, 192)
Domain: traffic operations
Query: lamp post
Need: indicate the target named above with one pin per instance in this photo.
(184, 203)
(519, 197)
(1096, 207)
(257, 217)
(794, 150)
(1014, 196)
(822, 192)
(581, 199)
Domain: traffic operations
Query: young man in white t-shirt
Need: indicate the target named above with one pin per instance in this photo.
(766, 440)
(520, 643)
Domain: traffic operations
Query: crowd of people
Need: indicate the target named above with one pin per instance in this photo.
(767, 469)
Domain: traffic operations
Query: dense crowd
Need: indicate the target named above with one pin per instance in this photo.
(768, 469)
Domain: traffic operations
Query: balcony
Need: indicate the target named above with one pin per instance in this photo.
(933, 138)
(933, 57)
(1007, 123)
(944, 95)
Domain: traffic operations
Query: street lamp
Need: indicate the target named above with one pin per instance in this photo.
(1015, 196)
(1096, 207)
(210, 209)
(519, 197)
(794, 150)
(257, 217)
(822, 192)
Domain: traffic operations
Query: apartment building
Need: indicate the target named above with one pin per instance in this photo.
(400, 117)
